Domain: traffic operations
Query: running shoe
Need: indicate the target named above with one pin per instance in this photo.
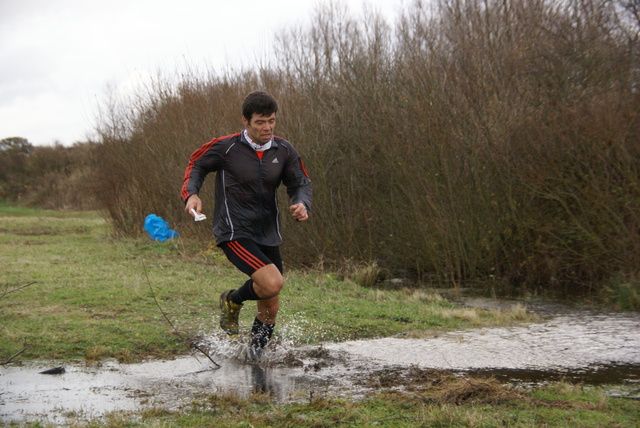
(229, 312)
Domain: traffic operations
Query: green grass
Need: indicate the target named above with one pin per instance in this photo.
(91, 291)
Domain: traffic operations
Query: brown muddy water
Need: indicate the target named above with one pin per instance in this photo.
(579, 345)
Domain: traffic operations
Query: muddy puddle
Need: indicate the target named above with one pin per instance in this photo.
(78, 392)
(567, 344)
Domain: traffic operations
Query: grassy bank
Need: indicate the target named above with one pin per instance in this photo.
(89, 296)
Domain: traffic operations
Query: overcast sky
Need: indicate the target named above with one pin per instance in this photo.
(58, 57)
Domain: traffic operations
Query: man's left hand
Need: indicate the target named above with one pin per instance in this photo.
(299, 212)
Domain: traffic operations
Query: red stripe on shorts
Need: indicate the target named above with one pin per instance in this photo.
(245, 255)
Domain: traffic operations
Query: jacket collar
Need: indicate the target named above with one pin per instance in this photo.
(246, 140)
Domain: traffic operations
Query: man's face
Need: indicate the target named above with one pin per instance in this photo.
(260, 127)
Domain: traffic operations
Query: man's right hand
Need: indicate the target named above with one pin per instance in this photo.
(193, 202)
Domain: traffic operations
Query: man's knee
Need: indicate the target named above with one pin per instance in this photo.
(272, 286)
(267, 281)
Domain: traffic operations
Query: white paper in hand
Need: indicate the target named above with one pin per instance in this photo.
(198, 217)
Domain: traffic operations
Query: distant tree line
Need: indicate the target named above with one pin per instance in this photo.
(492, 141)
(54, 177)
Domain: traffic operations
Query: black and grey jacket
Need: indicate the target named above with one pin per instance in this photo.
(246, 204)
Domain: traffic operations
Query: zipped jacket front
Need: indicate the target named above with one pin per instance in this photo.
(246, 203)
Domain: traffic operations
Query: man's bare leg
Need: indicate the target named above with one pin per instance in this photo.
(267, 283)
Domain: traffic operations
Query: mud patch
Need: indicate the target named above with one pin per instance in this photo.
(441, 386)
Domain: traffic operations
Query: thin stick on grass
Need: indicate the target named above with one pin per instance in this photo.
(4, 363)
(17, 289)
(184, 339)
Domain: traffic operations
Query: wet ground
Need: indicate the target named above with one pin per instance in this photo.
(567, 344)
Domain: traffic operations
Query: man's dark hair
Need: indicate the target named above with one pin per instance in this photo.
(259, 102)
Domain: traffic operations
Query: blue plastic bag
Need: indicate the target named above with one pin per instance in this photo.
(158, 229)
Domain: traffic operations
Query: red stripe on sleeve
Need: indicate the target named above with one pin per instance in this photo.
(197, 154)
(303, 168)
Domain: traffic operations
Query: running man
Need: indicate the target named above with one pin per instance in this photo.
(250, 166)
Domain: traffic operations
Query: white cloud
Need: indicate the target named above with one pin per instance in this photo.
(58, 57)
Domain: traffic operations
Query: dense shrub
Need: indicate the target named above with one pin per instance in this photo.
(468, 140)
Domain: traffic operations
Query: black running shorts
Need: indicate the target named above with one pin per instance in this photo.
(248, 256)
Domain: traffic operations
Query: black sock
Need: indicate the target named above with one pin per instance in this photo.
(260, 333)
(246, 292)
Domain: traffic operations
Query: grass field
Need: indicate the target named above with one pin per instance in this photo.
(69, 290)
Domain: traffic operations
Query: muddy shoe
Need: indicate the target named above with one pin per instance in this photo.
(260, 335)
(254, 354)
(229, 312)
